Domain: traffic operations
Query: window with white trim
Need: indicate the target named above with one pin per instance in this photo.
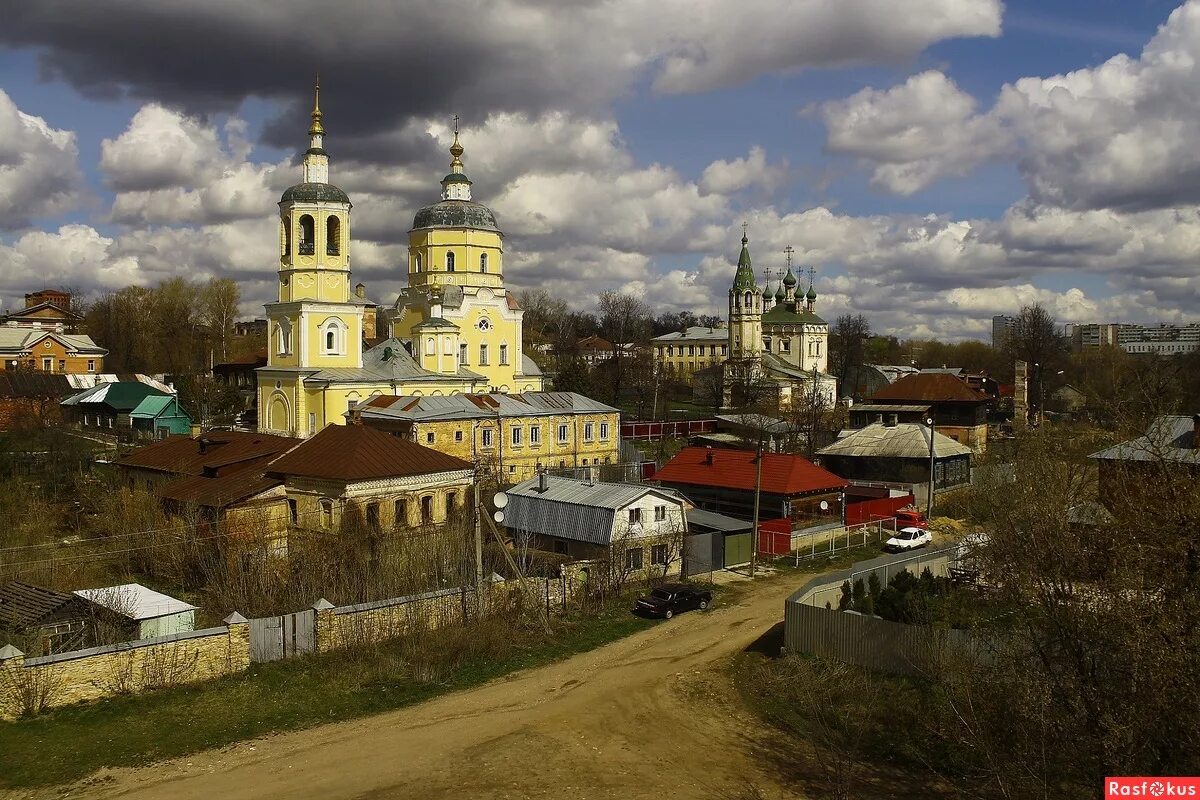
(588, 431)
(564, 433)
(486, 437)
(503, 355)
(603, 430)
(449, 261)
(516, 437)
(535, 434)
(660, 513)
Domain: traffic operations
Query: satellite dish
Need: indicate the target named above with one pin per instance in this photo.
(824, 505)
(500, 500)
(498, 516)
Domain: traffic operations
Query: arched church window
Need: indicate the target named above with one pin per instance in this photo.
(746, 302)
(307, 236)
(333, 236)
(449, 262)
(287, 235)
(483, 262)
(333, 337)
(416, 262)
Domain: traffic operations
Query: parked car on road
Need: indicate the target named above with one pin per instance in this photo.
(908, 539)
(669, 599)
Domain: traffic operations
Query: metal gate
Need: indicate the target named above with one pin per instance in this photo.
(273, 638)
(737, 549)
(698, 554)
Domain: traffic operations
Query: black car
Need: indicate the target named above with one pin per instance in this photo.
(668, 600)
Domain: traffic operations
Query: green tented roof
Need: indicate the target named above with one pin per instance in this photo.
(744, 278)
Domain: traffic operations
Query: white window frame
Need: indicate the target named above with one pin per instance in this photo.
(589, 431)
(334, 326)
(535, 434)
(486, 437)
(504, 354)
(516, 436)
(603, 431)
(660, 513)
(564, 433)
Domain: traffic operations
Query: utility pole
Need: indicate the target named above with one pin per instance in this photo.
(929, 504)
(478, 543)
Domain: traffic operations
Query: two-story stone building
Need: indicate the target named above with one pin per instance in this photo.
(511, 435)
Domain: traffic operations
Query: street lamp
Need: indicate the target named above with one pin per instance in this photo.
(929, 504)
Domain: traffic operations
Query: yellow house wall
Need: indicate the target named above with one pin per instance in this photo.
(467, 244)
(71, 364)
(351, 351)
(448, 492)
(681, 363)
(464, 439)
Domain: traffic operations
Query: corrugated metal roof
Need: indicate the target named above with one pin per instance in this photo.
(905, 440)
(711, 520)
(152, 407)
(24, 605)
(696, 333)
(1169, 438)
(220, 491)
(480, 406)
(358, 452)
(30, 383)
(573, 509)
(782, 473)
(123, 396)
(135, 601)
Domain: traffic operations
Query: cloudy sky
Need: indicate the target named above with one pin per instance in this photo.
(937, 161)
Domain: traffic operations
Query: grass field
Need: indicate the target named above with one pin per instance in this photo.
(72, 742)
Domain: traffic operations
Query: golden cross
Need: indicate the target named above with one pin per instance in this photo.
(456, 124)
(788, 251)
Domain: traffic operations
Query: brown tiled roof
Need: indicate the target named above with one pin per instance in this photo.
(30, 383)
(356, 453)
(210, 453)
(23, 605)
(930, 387)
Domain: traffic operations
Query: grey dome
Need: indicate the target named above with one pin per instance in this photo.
(314, 192)
(455, 214)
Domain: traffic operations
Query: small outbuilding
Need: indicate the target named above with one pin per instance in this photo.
(160, 416)
(149, 613)
(898, 453)
(43, 622)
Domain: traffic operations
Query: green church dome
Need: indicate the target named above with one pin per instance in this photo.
(314, 192)
(455, 214)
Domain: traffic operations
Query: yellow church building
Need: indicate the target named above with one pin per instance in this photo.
(455, 329)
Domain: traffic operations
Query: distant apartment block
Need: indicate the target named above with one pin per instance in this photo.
(1002, 327)
(1162, 339)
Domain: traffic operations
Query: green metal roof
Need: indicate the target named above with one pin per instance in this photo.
(743, 279)
(455, 214)
(781, 314)
(123, 396)
(153, 407)
(314, 192)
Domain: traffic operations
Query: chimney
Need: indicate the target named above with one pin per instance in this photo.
(879, 418)
(708, 456)
(360, 291)
(543, 481)
(892, 419)
(1196, 432)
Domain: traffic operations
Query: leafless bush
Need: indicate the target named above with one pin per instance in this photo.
(28, 690)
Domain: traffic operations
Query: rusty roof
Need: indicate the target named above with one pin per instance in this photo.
(210, 453)
(357, 453)
(932, 387)
(23, 605)
(218, 492)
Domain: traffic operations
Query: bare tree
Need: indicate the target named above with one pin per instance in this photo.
(624, 321)
(219, 300)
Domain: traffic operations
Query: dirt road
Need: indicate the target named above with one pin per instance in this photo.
(649, 716)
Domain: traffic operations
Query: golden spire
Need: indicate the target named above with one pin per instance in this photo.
(316, 129)
(456, 150)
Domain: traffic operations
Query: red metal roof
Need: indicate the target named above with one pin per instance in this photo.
(356, 453)
(782, 473)
(930, 387)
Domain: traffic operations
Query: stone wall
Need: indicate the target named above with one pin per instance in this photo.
(126, 668)
(381, 620)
